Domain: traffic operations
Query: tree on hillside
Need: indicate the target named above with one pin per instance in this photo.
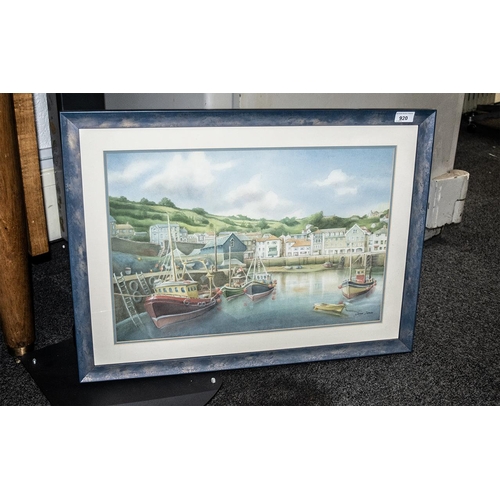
(333, 221)
(289, 221)
(197, 210)
(167, 202)
(278, 231)
(263, 224)
(315, 219)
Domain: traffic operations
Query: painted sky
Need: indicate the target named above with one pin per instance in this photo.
(269, 183)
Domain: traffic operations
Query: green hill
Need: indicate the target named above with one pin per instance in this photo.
(142, 215)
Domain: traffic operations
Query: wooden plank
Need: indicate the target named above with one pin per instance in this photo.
(16, 308)
(30, 167)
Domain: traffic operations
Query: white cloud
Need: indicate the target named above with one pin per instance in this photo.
(186, 175)
(131, 173)
(345, 190)
(255, 200)
(340, 182)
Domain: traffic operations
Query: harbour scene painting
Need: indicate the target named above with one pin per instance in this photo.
(217, 242)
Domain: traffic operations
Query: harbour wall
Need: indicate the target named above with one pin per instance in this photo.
(378, 260)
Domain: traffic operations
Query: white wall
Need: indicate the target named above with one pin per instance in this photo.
(47, 166)
(448, 106)
(449, 110)
(168, 101)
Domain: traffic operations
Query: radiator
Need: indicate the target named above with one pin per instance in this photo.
(471, 101)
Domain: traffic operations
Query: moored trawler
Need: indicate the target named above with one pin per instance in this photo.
(352, 289)
(258, 290)
(231, 292)
(235, 287)
(175, 301)
(360, 284)
(256, 284)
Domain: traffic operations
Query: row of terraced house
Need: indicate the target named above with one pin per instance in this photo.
(332, 241)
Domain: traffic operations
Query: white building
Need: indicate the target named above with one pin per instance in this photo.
(158, 233)
(297, 248)
(357, 239)
(197, 237)
(377, 241)
(316, 239)
(268, 247)
(330, 241)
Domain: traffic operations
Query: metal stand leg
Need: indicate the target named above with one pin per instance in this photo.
(54, 369)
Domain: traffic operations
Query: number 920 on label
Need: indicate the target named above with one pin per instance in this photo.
(404, 117)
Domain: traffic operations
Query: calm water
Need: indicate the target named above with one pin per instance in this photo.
(289, 306)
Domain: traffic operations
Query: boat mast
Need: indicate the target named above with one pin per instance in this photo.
(172, 263)
(215, 249)
(229, 269)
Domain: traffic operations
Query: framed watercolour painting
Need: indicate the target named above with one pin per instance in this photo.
(212, 240)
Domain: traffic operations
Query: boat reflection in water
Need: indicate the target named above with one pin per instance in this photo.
(289, 306)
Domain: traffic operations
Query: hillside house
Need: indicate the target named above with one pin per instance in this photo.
(378, 241)
(158, 233)
(124, 231)
(357, 239)
(249, 240)
(297, 248)
(196, 238)
(112, 227)
(332, 241)
(268, 247)
(222, 246)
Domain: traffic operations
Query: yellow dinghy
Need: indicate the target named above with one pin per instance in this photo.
(329, 308)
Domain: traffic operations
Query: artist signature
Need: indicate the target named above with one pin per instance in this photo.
(364, 313)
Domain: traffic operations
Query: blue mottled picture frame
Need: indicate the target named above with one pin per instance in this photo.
(89, 192)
